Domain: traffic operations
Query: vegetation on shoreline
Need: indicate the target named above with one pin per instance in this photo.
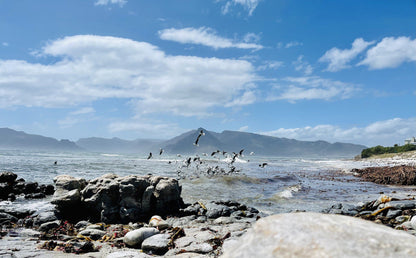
(379, 150)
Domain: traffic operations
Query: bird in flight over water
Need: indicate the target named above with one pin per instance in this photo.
(263, 165)
(161, 151)
(150, 155)
(201, 133)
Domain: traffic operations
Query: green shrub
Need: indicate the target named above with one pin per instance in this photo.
(377, 150)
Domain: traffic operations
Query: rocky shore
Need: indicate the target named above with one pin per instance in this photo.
(145, 216)
(391, 175)
(129, 216)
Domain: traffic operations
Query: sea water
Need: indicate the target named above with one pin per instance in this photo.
(283, 185)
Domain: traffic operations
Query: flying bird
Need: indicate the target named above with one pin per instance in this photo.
(201, 133)
(150, 155)
(263, 165)
(161, 151)
(241, 153)
(215, 152)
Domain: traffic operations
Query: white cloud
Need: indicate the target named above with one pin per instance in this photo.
(386, 133)
(311, 87)
(293, 44)
(390, 53)
(146, 127)
(91, 67)
(248, 97)
(82, 111)
(78, 116)
(207, 37)
(121, 3)
(5, 44)
(243, 128)
(249, 5)
(338, 59)
(302, 65)
(272, 65)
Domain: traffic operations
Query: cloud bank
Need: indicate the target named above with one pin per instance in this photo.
(387, 132)
(92, 67)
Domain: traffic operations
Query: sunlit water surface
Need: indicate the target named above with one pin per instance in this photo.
(285, 184)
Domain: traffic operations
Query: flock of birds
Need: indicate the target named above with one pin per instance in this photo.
(204, 166)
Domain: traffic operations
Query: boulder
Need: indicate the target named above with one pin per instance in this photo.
(7, 177)
(112, 199)
(68, 183)
(157, 244)
(135, 237)
(320, 235)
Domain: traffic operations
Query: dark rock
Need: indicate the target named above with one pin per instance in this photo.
(47, 189)
(5, 190)
(393, 213)
(45, 227)
(404, 204)
(7, 177)
(94, 234)
(217, 210)
(30, 187)
(82, 224)
(11, 197)
(5, 217)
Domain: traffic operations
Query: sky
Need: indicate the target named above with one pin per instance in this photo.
(339, 71)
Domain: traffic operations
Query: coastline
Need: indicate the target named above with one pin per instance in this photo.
(22, 245)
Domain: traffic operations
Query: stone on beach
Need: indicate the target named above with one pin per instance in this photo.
(135, 237)
(320, 235)
(114, 199)
(157, 244)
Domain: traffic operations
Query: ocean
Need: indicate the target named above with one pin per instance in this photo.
(283, 185)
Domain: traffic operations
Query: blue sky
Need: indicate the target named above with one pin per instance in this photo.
(309, 70)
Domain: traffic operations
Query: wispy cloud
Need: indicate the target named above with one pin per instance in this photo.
(78, 116)
(5, 44)
(294, 89)
(338, 59)
(390, 53)
(270, 65)
(91, 68)
(121, 3)
(289, 44)
(249, 5)
(302, 65)
(208, 37)
(386, 132)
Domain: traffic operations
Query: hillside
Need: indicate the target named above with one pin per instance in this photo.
(260, 144)
(11, 139)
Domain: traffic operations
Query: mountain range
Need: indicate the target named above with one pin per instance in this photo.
(230, 141)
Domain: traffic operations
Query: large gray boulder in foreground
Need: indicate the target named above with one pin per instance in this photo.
(320, 235)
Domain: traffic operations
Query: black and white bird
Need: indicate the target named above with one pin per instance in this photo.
(241, 153)
(150, 156)
(201, 133)
(262, 165)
